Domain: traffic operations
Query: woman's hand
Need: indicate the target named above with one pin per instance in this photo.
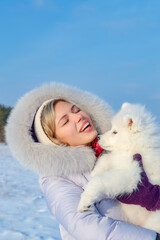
(146, 195)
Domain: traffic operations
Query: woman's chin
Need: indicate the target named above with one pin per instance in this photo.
(91, 137)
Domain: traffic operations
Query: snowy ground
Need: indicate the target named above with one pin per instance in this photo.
(23, 211)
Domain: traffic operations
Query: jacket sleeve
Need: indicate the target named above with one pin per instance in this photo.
(62, 198)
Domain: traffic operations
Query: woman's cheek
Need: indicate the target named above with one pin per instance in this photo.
(69, 131)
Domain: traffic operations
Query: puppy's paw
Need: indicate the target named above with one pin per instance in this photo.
(83, 207)
(85, 203)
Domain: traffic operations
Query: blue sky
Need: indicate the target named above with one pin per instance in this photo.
(108, 47)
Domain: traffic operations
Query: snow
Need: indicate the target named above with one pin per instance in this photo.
(23, 211)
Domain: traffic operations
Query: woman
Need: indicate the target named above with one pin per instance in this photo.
(64, 159)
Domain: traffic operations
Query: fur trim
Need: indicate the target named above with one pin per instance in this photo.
(53, 160)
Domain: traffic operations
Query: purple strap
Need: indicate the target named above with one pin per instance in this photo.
(146, 195)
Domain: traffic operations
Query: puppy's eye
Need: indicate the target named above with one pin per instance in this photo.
(115, 132)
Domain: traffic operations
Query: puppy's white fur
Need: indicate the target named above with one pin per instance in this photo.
(133, 131)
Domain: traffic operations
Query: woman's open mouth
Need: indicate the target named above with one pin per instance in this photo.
(86, 127)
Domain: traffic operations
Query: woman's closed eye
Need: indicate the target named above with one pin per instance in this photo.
(64, 121)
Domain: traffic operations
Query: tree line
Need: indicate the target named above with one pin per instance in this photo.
(4, 113)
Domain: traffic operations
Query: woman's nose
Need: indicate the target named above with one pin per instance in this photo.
(77, 117)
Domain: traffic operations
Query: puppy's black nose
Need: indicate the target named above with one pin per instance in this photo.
(98, 138)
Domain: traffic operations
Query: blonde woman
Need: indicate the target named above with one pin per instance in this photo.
(52, 130)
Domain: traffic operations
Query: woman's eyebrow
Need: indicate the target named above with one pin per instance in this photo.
(66, 114)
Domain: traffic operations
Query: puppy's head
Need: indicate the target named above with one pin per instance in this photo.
(131, 121)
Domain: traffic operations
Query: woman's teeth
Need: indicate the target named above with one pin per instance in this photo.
(85, 126)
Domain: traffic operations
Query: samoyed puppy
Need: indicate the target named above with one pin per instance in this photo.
(116, 173)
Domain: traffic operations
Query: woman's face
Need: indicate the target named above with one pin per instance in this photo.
(73, 126)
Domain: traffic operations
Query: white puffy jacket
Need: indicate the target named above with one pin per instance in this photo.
(64, 171)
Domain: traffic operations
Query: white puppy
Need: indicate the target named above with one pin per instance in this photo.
(116, 173)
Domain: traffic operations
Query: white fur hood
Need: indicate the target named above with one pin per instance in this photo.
(52, 160)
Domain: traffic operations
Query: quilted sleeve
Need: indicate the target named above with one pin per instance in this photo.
(62, 198)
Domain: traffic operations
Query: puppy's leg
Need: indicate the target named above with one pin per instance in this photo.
(91, 194)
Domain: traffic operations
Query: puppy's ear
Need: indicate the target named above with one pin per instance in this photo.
(124, 105)
(128, 121)
(132, 124)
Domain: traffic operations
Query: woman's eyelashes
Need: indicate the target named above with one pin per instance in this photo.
(65, 121)
(74, 109)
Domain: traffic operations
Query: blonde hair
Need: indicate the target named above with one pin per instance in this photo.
(48, 120)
